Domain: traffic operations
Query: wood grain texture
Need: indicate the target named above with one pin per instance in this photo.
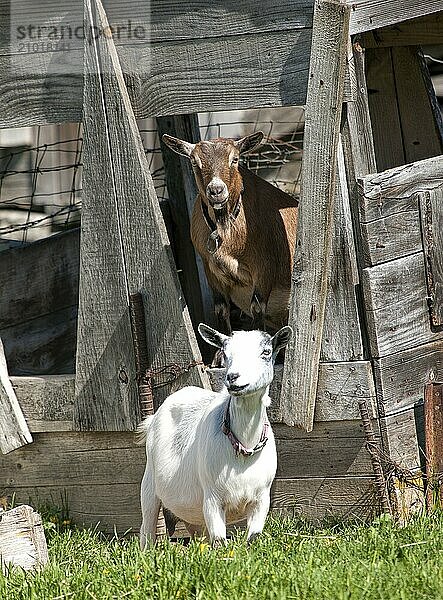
(22, 539)
(246, 56)
(339, 387)
(385, 118)
(406, 126)
(47, 401)
(431, 213)
(44, 345)
(389, 209)
(39, 278)
(317, 498)
(314, 233)
(134, 257)
(341, 332)
(400, 377)
(420, 31)
(374, 14)
(400, 433)
(396, 306)
(422, 137)
(14, 431)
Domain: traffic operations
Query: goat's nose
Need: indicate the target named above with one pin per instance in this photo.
(216, 189)
(232, 377)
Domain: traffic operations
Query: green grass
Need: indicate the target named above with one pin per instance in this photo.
(291, 560)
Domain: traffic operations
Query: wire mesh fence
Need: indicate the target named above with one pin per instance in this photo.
(41, 167)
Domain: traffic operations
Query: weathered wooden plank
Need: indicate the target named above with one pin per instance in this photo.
(431, 213)
(321, 497)
(400, 377)
(45, 345)
(385, 118)
(47, 401)
(22, 539)
(341, 333)
(116, 507)
(39, 278)
(400, 433)
(123, 195)
(314, 232)
(14, 431)
(406, 126)
(421, 31)
(396, 306)
(324, 452)
(389, 211)
(339, 387)
(421, 135)
(108, 507)
(182, 191)
(226, 42)
(374, 14)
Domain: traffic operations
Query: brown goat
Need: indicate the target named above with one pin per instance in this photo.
(243, 228)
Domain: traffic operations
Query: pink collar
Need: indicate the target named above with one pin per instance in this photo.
(236, 444)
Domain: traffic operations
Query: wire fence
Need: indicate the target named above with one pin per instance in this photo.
(41, 167)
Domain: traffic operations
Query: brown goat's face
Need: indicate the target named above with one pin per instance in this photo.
(215, 165)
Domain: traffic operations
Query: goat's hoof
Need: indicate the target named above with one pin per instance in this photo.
(219, 542)
(252, 538)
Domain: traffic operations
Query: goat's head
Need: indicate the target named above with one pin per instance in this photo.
(215, 165)
(249, 356)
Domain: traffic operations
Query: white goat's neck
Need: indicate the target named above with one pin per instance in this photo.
(248, 415)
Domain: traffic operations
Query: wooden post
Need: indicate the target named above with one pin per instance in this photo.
(314, 235)
(434, 443)
(182, 191)
(14, 431)
(22, 539)
(124, 250)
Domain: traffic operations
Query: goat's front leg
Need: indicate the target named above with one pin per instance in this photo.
(222, 311)
(258, 310)
(257, 516)
(214, 519)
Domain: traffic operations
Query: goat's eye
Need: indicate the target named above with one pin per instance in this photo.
(266, 353)
(234, 161)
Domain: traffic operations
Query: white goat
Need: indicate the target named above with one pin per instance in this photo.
(211, 456)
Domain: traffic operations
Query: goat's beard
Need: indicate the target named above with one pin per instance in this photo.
(222, 216)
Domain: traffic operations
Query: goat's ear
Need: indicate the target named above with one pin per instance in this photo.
(250, 142)
(179, 146)
(281, 339)
(212, 336)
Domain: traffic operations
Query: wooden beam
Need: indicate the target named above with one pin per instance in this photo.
(182, 192)
(223, 46)
(47, 401)
(124, 250)
(314, 235)
(374, 14)
(422, 31)
(14, 431)
(342, 343)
